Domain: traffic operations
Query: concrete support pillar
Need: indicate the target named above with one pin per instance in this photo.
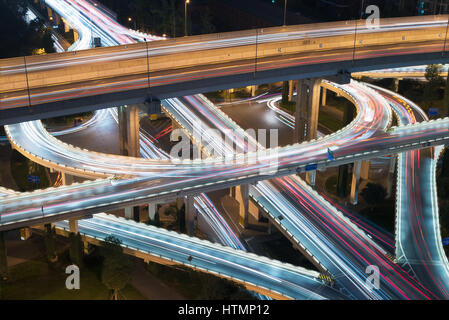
(49, 12)
(301, 111)
(323, 96)
(152, 207)
(253, 90)
(132, 213)
(355, 182)
(390, 178)
(67, 179)
(232, 192)
(3, 257)
(307, 108)
(311, 177)
(75, 35)
(290, 90)
(86, 247)
(190, 213)
(270, 227)
(242, 196)
(396, 84)
(129, 128)
(73, 226)
(129, 212)
(364, 171)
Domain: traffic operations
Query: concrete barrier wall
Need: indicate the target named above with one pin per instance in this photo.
(176, 62)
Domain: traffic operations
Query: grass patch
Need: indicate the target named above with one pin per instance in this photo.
(21, 167)
(329, 122)
(289, 105)
(67, 120)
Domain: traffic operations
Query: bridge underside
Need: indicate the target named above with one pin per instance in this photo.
(208, 84)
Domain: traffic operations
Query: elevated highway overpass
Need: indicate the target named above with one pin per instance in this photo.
(165, 179)
(64, 83)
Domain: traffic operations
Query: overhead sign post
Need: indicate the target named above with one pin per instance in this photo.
(445, 241)
(311, 167)
(330, 154)
(433, 112)
(33, 179)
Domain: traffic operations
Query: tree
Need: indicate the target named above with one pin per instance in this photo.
(443, 187)
(19, 38)
(50, 238)
(444, 218)
(434, 81)
(373, 193)
(222, 289)
(284, 93)
(446, 98)
(445, 167)
(116, 273)
(206, 22)
(76, 250)
(3, 257)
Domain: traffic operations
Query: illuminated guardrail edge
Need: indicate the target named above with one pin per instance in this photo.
(439, 243)
(287, 231)
(327, 137)
(279, 222)
(296, 269)
(423, 124)
(191, 264)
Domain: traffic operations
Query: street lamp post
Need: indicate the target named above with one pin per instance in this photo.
(185, 16)
(131, 19)
(285, 12)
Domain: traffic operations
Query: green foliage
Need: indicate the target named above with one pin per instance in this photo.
(21, 167)
(445, 167)
(444, 218)
(446, 99)
(222, 289)
(160, 16)
(198, 285)
(3, 259)
(18, 38)
(342, 182)
(284, 92)
(373, 193)
(76, 250)
(206, 22)
(434, 82)
(50, 245)
(443, 187)
(116, 273)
